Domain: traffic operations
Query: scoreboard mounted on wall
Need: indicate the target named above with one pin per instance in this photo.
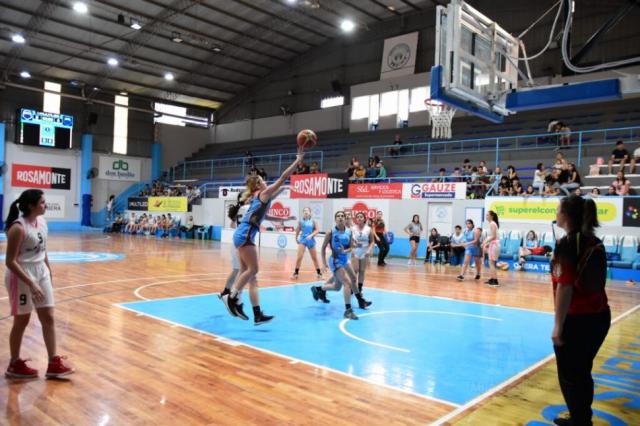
(44, 129)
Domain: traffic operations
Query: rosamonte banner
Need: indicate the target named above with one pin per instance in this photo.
(543, 209)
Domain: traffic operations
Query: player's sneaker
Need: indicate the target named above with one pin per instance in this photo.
(57, 368)
(19, 369)
(261, 318)
(349, 314)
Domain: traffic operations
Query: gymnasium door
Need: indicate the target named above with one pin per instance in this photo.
(440, 217)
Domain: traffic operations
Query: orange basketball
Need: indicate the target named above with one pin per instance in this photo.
(307, 138)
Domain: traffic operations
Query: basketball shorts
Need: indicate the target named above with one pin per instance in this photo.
(20, 297)
(307, 243)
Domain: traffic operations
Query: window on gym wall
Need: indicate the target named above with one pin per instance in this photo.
(120, 123)
(418, 96)
(51, 101)
(360, 107)
(403, 106)
(169, 109)
(374, 111)
(389, 103)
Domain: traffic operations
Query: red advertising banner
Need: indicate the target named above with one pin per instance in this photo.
(375, 190)
(319, 185)
(30, 176)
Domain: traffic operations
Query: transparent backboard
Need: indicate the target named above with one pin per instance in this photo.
(476, 61)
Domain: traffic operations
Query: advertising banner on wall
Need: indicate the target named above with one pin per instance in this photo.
(450, 190)
(631, 215)
(319, 185)
(118, 168)
(55, 206)
(30, 176)
(543, 210)
(138, 203)
(399, 56)
(282, 215)
(369, 207)
(375, 190)
(231, 192)
(168, 204)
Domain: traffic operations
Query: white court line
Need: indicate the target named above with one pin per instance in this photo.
(343, 324)
(492, 391)
(460, 300)
(311, 364)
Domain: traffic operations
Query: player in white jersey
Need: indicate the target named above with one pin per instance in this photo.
(28, 282)
(363, 237)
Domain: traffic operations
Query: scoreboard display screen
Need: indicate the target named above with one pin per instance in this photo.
(44, 129)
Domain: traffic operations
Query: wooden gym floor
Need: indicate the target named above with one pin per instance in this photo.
(132, 369)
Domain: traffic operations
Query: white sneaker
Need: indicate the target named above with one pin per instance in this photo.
(410, 262)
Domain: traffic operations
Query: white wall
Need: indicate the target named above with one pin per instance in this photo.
(180, 142)
(231, 132)
(101, 189)
(68, 159)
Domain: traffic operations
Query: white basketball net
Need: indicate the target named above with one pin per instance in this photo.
(440, 116)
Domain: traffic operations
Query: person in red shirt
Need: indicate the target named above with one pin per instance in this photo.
(582, 315)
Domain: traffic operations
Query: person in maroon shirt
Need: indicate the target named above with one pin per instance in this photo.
(582, 315)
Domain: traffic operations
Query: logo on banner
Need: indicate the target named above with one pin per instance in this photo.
(119, 169)
(631, 212)
(435, 190)
(375, 190)
(137, 203)
(282, 241)
(167, 204)
(359, 207)
(40, 177)
(399, 56)
(279, 211)
(319, 185)
(120, 165)
(55, 206)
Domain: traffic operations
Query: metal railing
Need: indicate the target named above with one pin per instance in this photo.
(579, 139)
(208, 169)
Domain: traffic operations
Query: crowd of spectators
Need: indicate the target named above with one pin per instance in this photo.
(375, 170)
(163, 189)
(148, 224)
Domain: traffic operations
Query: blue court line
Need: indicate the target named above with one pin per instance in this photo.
(442, 349)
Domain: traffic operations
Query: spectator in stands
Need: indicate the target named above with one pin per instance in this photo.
(622, 185)
(512, 174)
(573, 182)
(116, 226)
(457, 246)
(635, 158)
(263, 173)
(433, 246)
(531, 191)
(466, 168)
(578, 192)
(551, 189)
(553, 180)
(620, 156)
(397, 147)
(131, 223)
(456, 176)
(475, 174)
(353, 165)
(595, 193)
(315, 168)
(372, 171)
(516, 188)
(441, 176)
(504, 185)
(360, 173)
(611, 191)
(301, 169)
(382, 171)
(248, 158)
(539, 177)
(565, 135)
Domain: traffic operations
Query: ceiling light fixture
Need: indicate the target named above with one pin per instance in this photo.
(347, 25)
(80, 7)
(25, 74)
(217, 49)
(168, 76)
(135, 24)
(17, 38)
(112, 62)
(175, 37)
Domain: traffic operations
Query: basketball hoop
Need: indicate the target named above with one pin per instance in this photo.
(440, 116)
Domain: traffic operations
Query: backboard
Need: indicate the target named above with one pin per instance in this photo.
(476, 61)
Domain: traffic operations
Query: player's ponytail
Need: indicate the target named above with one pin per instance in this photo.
(23, 204)
(253, 184)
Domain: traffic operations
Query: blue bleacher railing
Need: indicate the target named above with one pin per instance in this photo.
(201, 168)
(579, 139)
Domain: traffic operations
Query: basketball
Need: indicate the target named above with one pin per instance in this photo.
(307, 138)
